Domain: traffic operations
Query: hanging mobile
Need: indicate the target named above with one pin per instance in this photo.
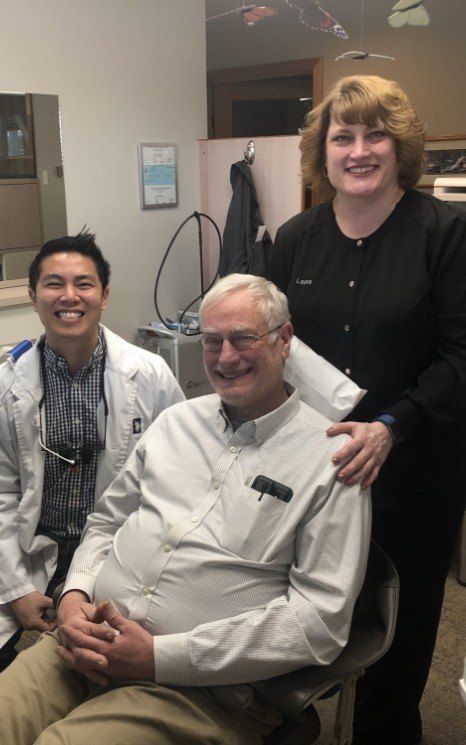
(317, 18)
(362, 55)
(410, 13)
(251, 13)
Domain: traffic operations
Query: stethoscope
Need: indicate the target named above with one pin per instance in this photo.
(38, 419)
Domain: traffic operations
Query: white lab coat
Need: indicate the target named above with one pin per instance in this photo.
(138, 385)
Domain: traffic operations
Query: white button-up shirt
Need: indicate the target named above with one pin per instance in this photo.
(234, 586)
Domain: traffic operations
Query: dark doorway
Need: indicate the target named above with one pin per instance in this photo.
(264, 100)
(275, 107)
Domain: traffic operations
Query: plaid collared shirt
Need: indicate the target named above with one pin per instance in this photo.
(71, 423)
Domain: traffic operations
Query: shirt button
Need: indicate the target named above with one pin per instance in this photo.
(215, 484)
(77, 421)
(232, 450)
(347, 327)
(359, 242)
(145, 591)
(352, 283)
(194, 518)
(348, 370)
(75, 385)
(259, 442)
(167, 548)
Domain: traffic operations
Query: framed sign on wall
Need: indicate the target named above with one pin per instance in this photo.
(157, 175)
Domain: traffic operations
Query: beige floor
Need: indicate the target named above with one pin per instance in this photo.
(443, 714)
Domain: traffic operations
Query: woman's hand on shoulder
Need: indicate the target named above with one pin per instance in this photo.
(366, 452)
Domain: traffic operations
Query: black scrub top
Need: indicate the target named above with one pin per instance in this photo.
(389, 310)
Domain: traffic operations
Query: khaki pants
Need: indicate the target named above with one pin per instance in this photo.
(44, 703)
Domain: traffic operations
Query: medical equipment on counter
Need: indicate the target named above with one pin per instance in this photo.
(182, 353)
(166, 322)
(177, 341)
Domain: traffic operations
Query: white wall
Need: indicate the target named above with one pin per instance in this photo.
(125, 71)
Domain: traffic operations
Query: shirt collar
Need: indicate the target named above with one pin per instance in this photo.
(57, 363)
(258, 430)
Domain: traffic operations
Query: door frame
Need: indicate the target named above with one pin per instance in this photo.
(218, 81)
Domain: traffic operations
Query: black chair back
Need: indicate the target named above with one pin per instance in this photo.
(371, 634)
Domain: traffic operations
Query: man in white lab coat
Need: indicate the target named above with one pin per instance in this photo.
(71, 410)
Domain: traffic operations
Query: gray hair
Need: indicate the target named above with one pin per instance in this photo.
(271, 302)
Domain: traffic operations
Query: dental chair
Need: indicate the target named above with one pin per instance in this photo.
(371, 633)
(370, 636)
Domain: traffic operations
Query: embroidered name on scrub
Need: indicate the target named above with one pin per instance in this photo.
(303, 281)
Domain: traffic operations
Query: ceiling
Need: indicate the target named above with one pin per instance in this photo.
(347, 12)
(430, 61)
(285, 29)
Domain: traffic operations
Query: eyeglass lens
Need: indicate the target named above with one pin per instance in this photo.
(239, 341)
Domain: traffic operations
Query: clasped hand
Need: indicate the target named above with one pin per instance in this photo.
(31, 611)
(97, 641)
(364, 455)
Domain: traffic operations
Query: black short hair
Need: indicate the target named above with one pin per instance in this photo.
(83, 243)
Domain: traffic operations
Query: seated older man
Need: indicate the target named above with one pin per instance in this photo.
(226, 552)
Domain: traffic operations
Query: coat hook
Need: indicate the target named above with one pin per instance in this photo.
(250, 153)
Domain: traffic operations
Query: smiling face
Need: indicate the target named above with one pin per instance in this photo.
(69, 300)
(249, 382)
(361, 160)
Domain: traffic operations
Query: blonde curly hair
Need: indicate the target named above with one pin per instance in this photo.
(364, 99)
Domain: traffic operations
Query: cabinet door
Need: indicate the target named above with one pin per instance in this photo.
(20, 215)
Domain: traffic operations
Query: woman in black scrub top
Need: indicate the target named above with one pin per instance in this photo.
(376, 281)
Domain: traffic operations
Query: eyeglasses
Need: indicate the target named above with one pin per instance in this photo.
(238, 340)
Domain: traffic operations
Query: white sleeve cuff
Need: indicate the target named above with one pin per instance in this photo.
(171, 659)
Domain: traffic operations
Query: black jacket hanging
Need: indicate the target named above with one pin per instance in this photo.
(241, 251)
